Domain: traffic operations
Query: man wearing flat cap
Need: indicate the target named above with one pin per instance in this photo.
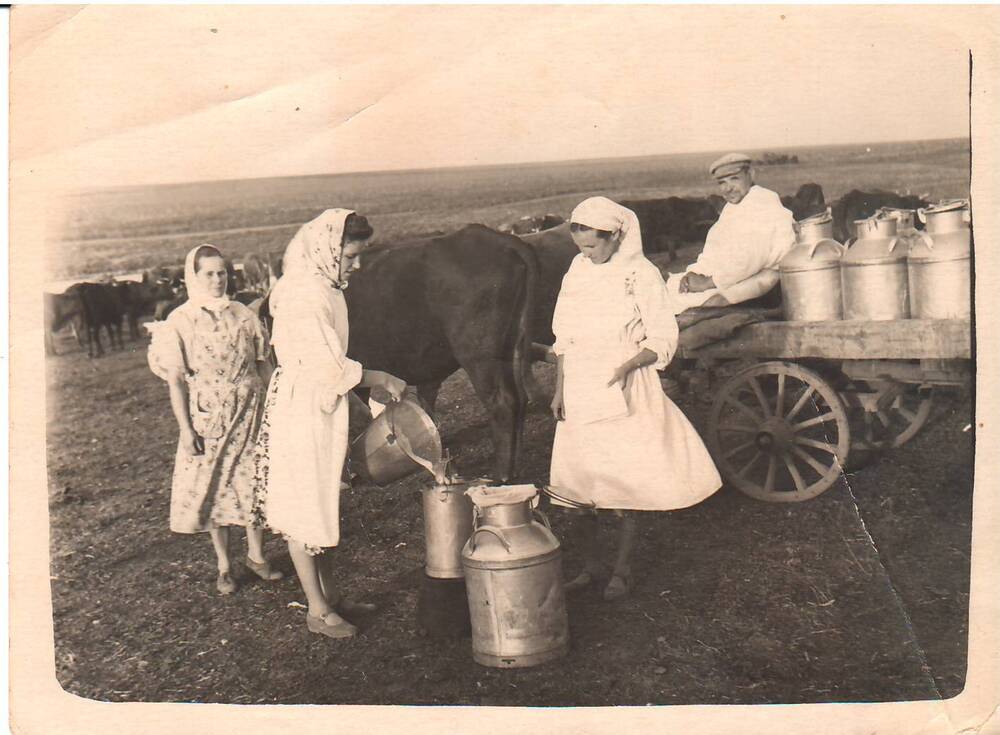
(740, 259)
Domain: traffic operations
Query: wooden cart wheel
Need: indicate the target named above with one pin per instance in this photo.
(886, 413)
(779, 432)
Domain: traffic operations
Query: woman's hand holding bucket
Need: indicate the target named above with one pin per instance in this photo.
(385, 388)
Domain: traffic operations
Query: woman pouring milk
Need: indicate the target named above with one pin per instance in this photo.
(620, 443)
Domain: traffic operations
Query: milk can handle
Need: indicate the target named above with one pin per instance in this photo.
(573, 503)
(812, 250)
(489, 529)
(542, 517)
(893, 244)
(928, 240)
(922, 215)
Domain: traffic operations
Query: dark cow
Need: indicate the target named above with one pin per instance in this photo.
(422, 310)
(857, 205)
(668, 223)
(532, 224)
(169, 276)
(808, 200)
(101, 308)
(62, 309)
(139, 299)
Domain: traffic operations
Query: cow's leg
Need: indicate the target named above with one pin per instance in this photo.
(94, 338)
(428, 393)
(50, 346)
(493, 381)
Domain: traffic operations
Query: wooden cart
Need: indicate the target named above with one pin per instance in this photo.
(784, 428)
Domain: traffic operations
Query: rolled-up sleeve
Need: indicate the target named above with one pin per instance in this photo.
(560, 322)
(307, 342)
(752, 287)
(656, 309)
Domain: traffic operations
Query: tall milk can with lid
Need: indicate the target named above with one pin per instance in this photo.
(873, 273)
(939, 263)
(513, 577)
(810, 273)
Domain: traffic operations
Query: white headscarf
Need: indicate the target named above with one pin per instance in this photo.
(317, 246)
(200, 297)
(603, 214)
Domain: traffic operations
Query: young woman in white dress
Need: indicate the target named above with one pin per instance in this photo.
(620, 443)
(304, 438)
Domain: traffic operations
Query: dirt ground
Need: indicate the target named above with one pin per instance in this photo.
(858, 595)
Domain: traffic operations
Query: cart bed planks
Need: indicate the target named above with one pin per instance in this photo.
(904, 339)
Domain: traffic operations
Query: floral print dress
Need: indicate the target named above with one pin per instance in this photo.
(217, 353)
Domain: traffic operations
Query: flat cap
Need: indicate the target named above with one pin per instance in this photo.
(729, 164)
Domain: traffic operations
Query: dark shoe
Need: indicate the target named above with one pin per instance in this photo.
(225, 584)
(263, 570)
(580, 582)
(350, 608)
(341, 629)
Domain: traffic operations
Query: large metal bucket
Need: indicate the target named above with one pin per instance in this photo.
(402, 440)
(447, 526)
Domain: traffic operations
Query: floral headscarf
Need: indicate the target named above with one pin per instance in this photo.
(317, 246)
(199, 297)
(603, 214)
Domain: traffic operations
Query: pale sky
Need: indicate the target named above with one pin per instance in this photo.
(118, 95)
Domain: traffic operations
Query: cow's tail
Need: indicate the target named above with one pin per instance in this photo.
(523, 336)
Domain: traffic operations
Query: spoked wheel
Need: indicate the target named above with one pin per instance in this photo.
(886, 413)
(779, 432)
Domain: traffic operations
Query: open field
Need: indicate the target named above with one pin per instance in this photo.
(858, 595)
(127, 229)
(735, 600)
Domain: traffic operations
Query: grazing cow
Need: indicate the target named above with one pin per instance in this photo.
(667, 223)
(531, 224)
(424, 309)
(808, 200)
(101, 308)
(61, 309)
(857, 205)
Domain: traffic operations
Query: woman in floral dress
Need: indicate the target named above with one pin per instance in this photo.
(212, 352)
(304, 438)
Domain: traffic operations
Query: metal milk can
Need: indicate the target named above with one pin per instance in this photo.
(873, 273)
(810, 273)
(939, 263)
(513, 577)
(447, 526)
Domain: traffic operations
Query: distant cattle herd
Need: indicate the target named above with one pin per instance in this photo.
(666, 224)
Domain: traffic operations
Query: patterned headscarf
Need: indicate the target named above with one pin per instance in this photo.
(317, 246)
(199, 297)
(603, 214)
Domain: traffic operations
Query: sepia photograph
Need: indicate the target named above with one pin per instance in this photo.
(563, 357)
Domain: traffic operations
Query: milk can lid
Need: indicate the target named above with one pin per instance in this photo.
(817, 219)
(484, 496)
(812, 256)
(947, 205)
